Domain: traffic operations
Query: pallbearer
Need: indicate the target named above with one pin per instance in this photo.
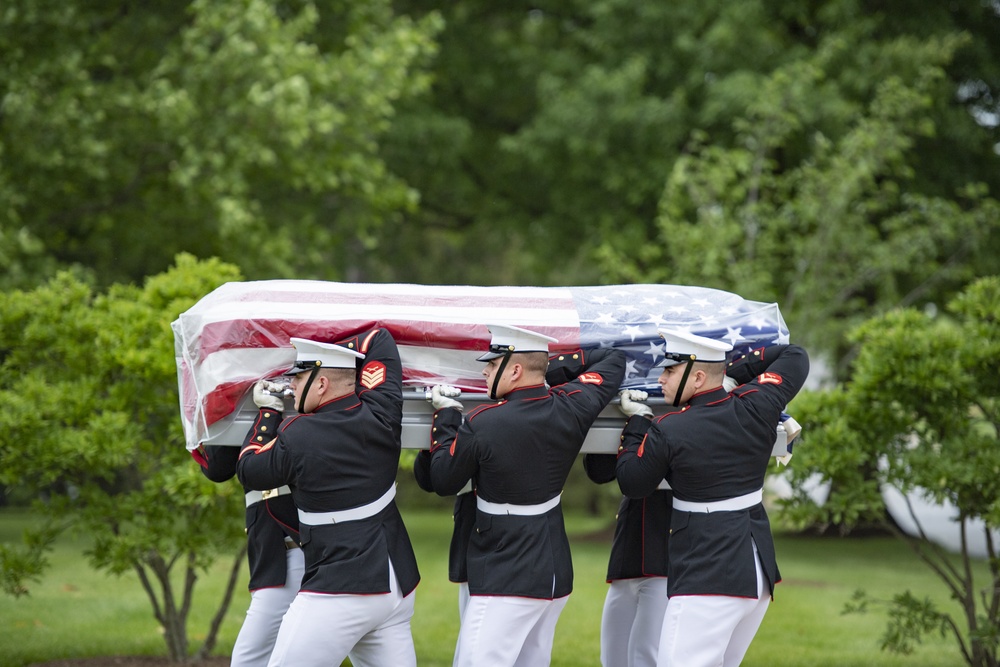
(272, 526)
(632, 618)
(340, 457)
(518, 453)
(713, 449)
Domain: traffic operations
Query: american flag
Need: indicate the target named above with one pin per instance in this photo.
(239, 333)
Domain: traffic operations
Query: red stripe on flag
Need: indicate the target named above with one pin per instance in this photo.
(272, 333)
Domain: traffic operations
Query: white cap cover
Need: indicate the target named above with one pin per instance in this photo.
(311, 354)
(515, 339)
(681, 346)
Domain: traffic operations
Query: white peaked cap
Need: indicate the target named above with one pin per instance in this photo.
(310, 354)
(682, 346)
(515, 339)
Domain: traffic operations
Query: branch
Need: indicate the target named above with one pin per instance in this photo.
(938, 551)
(994, 563)
(150, 593)
(190, 577)
(918, 291)
(955, 630)
(227, 597)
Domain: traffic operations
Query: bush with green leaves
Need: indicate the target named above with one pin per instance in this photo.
(921, 414)
(90, 428)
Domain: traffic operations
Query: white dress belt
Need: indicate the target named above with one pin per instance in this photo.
(253, 497)
(517, 510)
(743, 502)
(353, 514)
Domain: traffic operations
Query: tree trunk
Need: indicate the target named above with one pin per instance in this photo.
(213, 632)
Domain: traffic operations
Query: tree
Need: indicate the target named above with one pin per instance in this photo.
(922, 414)
(821, 200)
(241, 129)
(566, 124)
(91, 429)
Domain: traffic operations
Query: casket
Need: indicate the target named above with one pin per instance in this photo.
(239, 334)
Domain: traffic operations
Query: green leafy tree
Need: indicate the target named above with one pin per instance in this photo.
(570, 126)
(922, 414)
(241, 129)
(91, 429)
(820, 201)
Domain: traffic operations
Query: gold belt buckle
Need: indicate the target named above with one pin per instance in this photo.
(270, 493)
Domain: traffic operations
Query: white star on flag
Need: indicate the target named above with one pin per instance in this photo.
(654, 351)
(632, 332)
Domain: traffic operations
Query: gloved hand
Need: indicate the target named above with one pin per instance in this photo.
(265, 400)
(442, 396)
(629, 403)
(729, 383)
(792, 427)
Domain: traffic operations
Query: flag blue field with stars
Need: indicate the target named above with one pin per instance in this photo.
(629, 317)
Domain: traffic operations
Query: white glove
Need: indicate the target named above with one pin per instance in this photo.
(263, 399)
(792, 428)
(729, 383)
(442, 396)
(629, 402)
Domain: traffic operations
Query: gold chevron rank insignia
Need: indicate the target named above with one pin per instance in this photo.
(373, 374)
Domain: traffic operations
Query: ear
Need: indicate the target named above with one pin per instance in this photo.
(516, 371)
(699, 378)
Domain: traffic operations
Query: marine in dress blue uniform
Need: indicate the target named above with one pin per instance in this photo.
(632, 617)
(273, 553)
(518, 453)
(339, 456)
(464, 518)
(713, 450)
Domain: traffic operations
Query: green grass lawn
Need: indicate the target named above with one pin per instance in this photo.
(77, 612)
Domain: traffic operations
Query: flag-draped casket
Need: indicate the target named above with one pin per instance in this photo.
(240, 332)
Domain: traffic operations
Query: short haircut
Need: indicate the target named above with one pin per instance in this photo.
(714, 371)
(533, 362)
(339, 375)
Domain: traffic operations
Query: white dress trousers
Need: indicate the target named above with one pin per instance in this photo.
(712, 630)
(267, 607)
(321, 629)
(463, 602)
(507, 631)
(632, 621)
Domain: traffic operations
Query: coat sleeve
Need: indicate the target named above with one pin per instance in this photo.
(600, 468)
(380, 376)
(775, 374)
(640, 466)
(218, 462)
(266, 466)
(422, 470)
(596, 377)
(453, 452)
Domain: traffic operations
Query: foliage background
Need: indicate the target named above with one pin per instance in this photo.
(839, 158)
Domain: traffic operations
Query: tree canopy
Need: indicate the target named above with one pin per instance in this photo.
(582, 125)
(91, 431)
(921, 413)
(838, 158)
(242, 129)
